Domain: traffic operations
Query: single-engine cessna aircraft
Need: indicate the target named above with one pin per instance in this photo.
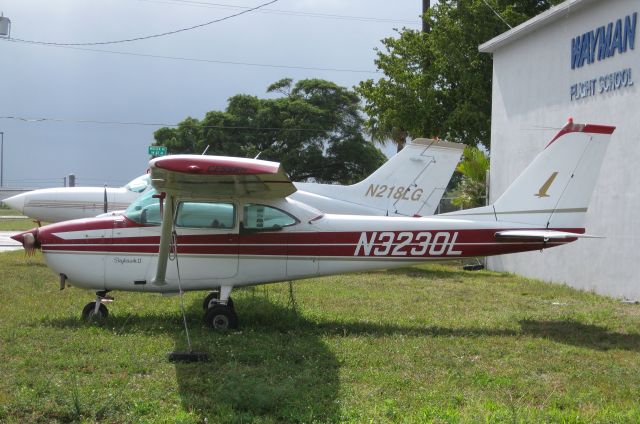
(410, 183)
(215, 223)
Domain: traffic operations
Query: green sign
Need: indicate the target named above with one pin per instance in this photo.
(157, 150)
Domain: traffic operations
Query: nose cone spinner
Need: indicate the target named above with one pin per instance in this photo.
(16, 202)
(29, 240)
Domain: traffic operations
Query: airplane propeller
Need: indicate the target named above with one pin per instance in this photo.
(29, 240)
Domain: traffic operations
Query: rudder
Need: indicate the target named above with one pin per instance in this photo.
(555, 189)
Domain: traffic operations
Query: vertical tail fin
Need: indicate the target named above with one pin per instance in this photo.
(555, 189)
(410, 183)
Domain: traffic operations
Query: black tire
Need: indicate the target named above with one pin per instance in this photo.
(206, 304)
(89, 314)
(221, 317)
(207, 300)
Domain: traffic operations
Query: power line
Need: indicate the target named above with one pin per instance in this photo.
(149, 36)
(194, 3)
(155, 124)
(497, 14)
(194, 59)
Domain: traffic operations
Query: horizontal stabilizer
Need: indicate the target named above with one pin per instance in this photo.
(540, 235)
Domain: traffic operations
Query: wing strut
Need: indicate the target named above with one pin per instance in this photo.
(165, 240)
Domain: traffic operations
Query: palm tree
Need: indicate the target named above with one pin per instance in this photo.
(471, 190)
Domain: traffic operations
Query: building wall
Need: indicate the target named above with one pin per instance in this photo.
(532, 79)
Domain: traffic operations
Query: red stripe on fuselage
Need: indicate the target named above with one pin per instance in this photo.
(384, 244)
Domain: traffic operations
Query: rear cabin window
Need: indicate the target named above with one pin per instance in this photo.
(206, 215)
(263, 217)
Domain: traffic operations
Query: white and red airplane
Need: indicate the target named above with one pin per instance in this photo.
(410, 183)
(215, 223)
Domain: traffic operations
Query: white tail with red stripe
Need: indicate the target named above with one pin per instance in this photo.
(555, 189)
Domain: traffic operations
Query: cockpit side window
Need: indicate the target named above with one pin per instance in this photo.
(263, 217)
(145, 210)
(206, 215)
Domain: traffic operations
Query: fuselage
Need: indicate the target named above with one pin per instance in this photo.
(243, 242)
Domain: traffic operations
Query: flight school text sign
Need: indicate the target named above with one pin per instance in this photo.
(603, 84)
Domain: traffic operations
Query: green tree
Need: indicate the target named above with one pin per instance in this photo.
(314, 128)
(471, 190)
(437, 83)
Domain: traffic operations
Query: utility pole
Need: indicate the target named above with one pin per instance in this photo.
(1, 158)
(425, 8)
(426, 29)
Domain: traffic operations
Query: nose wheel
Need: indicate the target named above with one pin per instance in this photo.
(97, 311)
(94, 311)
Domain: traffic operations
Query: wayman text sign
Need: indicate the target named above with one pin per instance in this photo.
(599, 44)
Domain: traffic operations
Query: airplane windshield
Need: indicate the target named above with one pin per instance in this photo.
(138, 185)
(145, 209)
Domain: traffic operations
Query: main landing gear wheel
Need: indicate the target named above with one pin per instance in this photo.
(212, 300)
(89, 312)
(221, 317)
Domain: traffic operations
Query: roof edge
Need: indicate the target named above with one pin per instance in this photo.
(545, 18)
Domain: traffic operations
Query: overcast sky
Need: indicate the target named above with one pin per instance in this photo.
(74, 85)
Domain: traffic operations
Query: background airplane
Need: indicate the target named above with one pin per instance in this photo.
(215, 223)
(65, 203)
(412, 182)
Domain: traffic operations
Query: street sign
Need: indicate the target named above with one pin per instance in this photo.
(157, 150)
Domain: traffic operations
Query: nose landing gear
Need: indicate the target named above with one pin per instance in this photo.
(97, 311)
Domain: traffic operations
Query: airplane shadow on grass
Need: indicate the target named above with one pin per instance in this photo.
(582, 335)
(277, 366)
(431, 273)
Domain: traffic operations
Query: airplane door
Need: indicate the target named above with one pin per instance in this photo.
(207, 243)
(264, 242)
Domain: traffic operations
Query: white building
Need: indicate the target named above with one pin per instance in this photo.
(580, 59)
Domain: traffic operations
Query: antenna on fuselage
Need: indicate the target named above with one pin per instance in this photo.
(205, 150)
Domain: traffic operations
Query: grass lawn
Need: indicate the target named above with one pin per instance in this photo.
(426, 344)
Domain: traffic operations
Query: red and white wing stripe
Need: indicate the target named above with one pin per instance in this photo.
(220, 176)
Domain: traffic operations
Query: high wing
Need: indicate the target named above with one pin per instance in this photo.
(220, 176)
(211, 176)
